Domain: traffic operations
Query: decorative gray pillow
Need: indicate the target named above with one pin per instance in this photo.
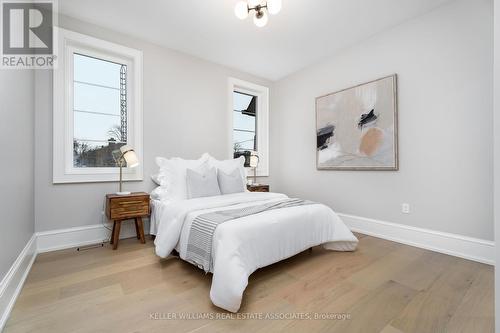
(230, 183)
(202, 183)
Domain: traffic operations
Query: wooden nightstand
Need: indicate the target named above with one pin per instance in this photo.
(125, 207)
(258, 188)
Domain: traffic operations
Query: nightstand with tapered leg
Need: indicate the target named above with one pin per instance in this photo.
(126, 207)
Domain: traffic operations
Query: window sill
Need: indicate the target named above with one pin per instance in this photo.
(97, 178)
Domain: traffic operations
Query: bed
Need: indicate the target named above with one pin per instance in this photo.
(242, 245)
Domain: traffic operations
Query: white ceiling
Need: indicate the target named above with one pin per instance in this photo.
(303, 33)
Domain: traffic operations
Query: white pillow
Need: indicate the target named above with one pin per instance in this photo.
(228, 166)
(202, 182)
(159, 193)
(155, 179)
(172, 174)
(230, 183)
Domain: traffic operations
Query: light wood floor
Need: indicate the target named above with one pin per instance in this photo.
(383, 286)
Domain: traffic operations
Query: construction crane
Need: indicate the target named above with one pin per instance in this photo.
(123, 103)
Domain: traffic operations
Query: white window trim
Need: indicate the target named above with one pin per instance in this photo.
(63, 170)
(262, 94)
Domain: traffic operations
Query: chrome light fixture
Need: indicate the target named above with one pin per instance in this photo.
(260, 9)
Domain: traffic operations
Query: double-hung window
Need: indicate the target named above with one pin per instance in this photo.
(97, 108)
(249, 114)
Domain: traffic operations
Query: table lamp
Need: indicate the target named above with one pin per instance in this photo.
(125, 157)
(254, 163)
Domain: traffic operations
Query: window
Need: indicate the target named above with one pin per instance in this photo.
(99, 111)
(249, 114)
(97, 108)
(244, 122)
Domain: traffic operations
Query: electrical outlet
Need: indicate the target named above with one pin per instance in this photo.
(405, 208)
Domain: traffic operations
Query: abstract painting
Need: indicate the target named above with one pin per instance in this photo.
(356, 128)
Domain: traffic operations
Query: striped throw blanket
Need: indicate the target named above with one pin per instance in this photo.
(199, 248)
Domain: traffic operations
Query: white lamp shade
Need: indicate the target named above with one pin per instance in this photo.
(254, 161)
(261, 22)
(241, 10)
(130, 156)
(274, 6)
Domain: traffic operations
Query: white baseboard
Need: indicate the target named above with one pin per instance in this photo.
(456, 245)
(12, 283)
(61, 239)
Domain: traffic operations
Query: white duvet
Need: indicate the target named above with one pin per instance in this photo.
(243, 245)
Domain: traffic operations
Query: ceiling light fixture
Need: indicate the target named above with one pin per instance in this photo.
(260, 9)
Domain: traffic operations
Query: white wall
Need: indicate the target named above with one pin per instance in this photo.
(444, 65)
(496, 130)
(185, 114)
(16, 164)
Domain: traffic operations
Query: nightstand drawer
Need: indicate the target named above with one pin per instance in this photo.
(128, 212)
(128, 203)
